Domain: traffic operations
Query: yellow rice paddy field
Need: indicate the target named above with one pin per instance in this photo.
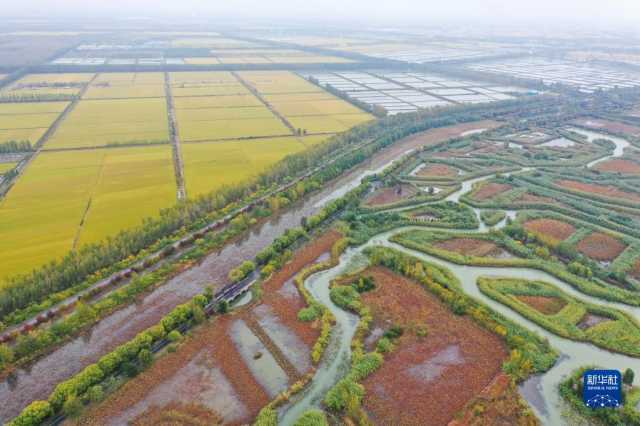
(27, 121)
(95, 123)
(126, 86)
(211, 165)
(95, 186)
(40, 218)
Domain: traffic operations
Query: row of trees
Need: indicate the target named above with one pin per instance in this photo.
(78, 266)
(70, 395)
(13, 146)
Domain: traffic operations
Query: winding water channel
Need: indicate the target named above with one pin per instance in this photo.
(38, 380)
(540, 391)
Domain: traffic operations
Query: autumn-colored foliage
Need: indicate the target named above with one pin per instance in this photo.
(600, 246)
(617, 165)
(550, 228)
(544, 304)
(604, 190)
(490, 190)
(400, 391)
(469, 246)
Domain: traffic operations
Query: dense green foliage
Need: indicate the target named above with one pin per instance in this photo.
(78, 389)
(445, 215)
(618, 332)
(492, 217)
(312, 418)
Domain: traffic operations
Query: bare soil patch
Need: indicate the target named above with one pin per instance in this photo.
(626, 167)
(438, 170)
(544, 304)
(601, 246)
(590, 320)
(465, 357)
(471, 247)
(207, 369)
(605, 190)
(391, 194)
(552, 228)
(178, 414)
(490, 190)
(286, 308)
(433, 136)
(205, 365)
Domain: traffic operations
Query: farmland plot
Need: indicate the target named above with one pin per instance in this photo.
(303, 104)
(49, 211)
(27, 121)
(41, 216)
(205, 84)
(96, 123)
(126, 85)
(211, 165)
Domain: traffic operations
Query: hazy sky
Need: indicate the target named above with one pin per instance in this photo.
(585, 11)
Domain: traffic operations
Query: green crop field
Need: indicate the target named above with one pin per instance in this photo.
(114, 121)
(40, 217)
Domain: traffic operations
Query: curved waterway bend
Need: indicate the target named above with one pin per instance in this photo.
(337, 358)
(621, 144)
(540, 391)
(465, 187)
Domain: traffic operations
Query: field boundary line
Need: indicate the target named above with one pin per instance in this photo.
(6, 186)
(266, 103)
(408, 87)
(174, 136)
(284, 363)
(260, 138)
(92, 193)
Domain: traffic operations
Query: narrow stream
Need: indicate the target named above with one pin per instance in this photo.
(621, 144)
(336, 361)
